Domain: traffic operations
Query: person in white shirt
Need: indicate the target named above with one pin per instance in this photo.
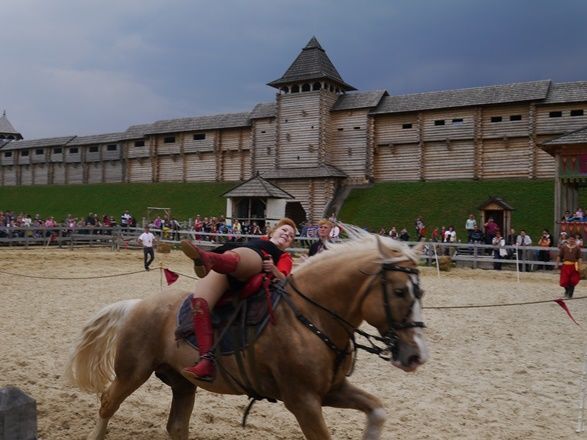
(147, 240)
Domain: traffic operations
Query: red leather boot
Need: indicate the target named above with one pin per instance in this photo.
(204, 369)
(205, 261)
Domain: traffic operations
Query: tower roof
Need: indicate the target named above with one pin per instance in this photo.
(5, 125)
(311, 64)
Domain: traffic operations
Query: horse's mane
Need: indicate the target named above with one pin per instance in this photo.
(360, 240)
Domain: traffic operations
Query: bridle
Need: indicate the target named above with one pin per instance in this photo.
(390, 340)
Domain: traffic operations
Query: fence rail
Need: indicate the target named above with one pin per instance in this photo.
(463, 254)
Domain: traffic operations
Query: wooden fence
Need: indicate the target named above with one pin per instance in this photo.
(528, 258)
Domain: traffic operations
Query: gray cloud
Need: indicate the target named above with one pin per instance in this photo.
(100, 66)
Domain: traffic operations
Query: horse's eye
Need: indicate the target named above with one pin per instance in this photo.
(418, 292)
(400, 293)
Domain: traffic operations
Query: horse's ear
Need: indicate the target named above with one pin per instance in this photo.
(419, 248)
(380, 246)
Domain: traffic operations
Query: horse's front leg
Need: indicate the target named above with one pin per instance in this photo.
(349, 396)
(308, 411)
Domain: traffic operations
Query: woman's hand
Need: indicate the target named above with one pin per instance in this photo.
(269, 267)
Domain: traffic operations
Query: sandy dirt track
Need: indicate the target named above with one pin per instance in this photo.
(495, 373)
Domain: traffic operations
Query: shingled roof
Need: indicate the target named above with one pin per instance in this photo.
(355, 100)
(258, 187)
(137, 131)
(38, 143)
(98, 139)
(213, 122)
(264, 110)
(311, 64)
(499, 94)
(305, 173)
(574, 137)
(567, 92)
(5, 125)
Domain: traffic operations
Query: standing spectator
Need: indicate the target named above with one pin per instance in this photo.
(334, 232)
(393, 233)
(450, 236)
(420, 228)
(403, 235)
(435, 235)
(490, 228)
(569, 259)
(470, 226)
(147, 240)
(499, 251)
(324, 229)
(511, 240)
(522, 241)
(579, 239)
(544, 254)
(125, 220)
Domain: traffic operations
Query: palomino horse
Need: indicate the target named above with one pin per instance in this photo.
(302, 362)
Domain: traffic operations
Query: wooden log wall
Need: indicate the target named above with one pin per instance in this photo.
(26, 175)
(59, 174)
(313, 194)
(396, 162)
(348, 149)
(94, 172)
(201, 167)
(10, 175)
(265, 142)
(299, 130)
(41, 174)
(139, 170)
(547, 124)
(449, 158)
(325, 133)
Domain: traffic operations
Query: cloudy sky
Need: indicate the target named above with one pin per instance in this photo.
(97, 66)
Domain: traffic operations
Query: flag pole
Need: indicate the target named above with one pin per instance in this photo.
(581, 416)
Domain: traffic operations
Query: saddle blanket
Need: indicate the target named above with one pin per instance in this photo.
(245, 328)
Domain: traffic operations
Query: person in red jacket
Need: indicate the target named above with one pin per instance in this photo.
(229, 268)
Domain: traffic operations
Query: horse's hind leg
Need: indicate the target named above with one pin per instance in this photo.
(122, 387)
(349, 396)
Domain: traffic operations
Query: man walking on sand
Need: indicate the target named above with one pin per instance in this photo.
(147, 240)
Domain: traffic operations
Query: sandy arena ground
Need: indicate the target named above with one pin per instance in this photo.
(495, 373)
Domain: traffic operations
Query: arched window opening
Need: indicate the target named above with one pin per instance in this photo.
(295, 89)
(316, 86)
(306, 87)
(285, 89)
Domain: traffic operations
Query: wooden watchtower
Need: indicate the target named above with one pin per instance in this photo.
(570, 153)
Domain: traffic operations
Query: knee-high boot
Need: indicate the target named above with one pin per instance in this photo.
(571, 291)
(205, 261)
(204, 369)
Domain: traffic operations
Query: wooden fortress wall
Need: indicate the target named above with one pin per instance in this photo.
(490, 142)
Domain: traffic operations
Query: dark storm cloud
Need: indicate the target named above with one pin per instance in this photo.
(100, 66)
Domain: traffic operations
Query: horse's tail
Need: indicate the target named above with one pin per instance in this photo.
(91, 362)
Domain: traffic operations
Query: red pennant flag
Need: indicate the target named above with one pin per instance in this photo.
(561, 302)
(170, 276)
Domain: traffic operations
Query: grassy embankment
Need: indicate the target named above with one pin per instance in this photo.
(449, 203)
(384, 204)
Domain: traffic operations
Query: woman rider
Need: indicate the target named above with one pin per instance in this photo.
(231, 269)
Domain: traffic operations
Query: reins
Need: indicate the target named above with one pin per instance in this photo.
(390, 339)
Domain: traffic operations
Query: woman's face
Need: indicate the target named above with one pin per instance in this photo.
(324, 231)
(283, 236)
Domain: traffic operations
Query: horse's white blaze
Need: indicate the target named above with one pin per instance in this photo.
(418, 336)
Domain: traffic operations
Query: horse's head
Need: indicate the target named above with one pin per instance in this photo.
(393, 304)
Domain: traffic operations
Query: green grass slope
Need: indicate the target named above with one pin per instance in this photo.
(449, 203)
(184, 199)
